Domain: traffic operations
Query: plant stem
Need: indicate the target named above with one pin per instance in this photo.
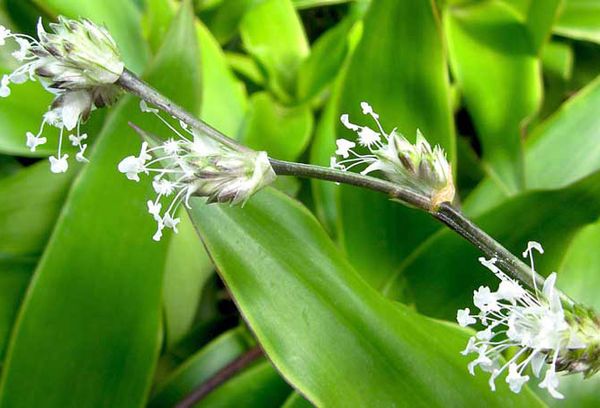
(220, 377)
(446, 213)
(134, 85)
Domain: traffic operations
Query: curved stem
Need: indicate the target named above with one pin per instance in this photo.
(446, 213)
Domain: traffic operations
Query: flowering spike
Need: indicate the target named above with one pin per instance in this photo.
(183, 167)
(79, 63)
(415, 166)
(544, 332)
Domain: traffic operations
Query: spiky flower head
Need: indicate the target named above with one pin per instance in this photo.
(79, 63)
(546, 335)
(195, 165)
(415, 166)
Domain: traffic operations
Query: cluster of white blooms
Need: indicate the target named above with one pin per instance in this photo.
(415, 166)
(534, 323)
(195, 165)
(79, 63)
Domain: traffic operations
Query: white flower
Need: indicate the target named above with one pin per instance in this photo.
(464, 317)
(343, 147)
(33, 141)
(77, 62)
(59, 165)
(201, 167)
(132, 166)
(550, 383)
(514, 379)
(4, 89)
(4, 34)
(484, 299)
(415, 166)
(534, 323)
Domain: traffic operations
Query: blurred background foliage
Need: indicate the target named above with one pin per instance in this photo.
(93, 313)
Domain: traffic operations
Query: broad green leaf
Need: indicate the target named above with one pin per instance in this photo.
(257, 386)
(451, 263)
(408, 87)
(31, 202)
(331, 335)
(578, 277)
(273, 34)
(284, 132)
(296, 400)
(578, 274)
(223, 96)
(303, 4)
(246, 67)
(491, 58)
(14, 278)
(565, 147)
(156, 20)
(579, 20)
(557, 59)
(121, 17)
(326, 194)
(325, 61)
(224, 20)
(187, 269)
(88, 330)
(201, 366)
(8, 166)
(538, 17)
(22, 112)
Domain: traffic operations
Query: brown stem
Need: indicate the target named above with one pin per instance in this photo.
(220, 377)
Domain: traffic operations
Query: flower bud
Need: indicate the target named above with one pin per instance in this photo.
(546, 334)
(415, 166)
(201, 167)
(79, 63)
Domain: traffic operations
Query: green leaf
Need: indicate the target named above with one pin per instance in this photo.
(14, 278)
(88, 330)
(257, 386)
(22, 112)
(224, 20)
(187, 269)
(540, 18)
(284, 132)
(409, 89)
(122, 18)
(491, 58)
(565, 147)
(8, 166)
(296, 400)
(579, 20)
(303, 4)
(223, 96)
(156, 20)
(201, 366)
(578, 277)
(31, 202)
(273, 34)
(557, 59)
(324, 328)
(325, 61)
(451, 262)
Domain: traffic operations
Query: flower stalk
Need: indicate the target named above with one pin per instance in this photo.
(444, 212)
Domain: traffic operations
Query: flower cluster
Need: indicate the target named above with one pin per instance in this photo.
(415, 166)
(183, 167)
(545, 333)
(79, 63)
